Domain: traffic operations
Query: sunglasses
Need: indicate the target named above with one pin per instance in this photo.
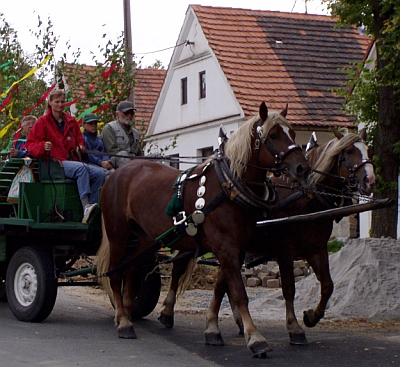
(128, 112)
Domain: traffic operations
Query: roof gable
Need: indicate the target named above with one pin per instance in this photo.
(283, 58)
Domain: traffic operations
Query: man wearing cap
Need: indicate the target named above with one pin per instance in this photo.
(120, 139)
(94, 143)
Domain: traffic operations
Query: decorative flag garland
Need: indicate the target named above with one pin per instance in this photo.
(42, 99)
(29, 73)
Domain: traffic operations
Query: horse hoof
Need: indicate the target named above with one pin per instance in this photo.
(214, 339)
(298, 339)
(307, 316)
(167, 321)
(259, 349)
(261, 355)
(127, 333)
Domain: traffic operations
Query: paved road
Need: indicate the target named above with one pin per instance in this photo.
(78, 333)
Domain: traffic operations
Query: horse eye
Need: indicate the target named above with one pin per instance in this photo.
(273, 136)
(349, 151)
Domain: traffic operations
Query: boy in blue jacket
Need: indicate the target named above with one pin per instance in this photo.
(94, 143)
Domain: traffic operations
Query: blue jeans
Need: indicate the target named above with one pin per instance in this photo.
(88, 178)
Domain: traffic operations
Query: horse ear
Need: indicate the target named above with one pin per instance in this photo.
(263, 112)
(363, 134)
(336, 132)
(284, 111)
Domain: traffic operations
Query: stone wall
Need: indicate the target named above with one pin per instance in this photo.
(268, 275)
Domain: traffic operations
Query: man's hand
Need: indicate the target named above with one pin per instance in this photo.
(13, 152)
(106, 164)
(47, 146)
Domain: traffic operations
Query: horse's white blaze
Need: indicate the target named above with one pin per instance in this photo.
(286, 130)
(369, 169)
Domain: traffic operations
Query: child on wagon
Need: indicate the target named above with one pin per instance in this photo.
(94, 143)
(18, 146)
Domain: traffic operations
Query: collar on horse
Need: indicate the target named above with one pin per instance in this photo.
(240, 193)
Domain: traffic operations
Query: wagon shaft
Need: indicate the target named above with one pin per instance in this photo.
(330, 213)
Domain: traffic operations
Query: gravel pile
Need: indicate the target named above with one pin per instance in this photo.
(366, 277)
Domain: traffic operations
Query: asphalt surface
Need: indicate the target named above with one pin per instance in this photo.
(78, 333)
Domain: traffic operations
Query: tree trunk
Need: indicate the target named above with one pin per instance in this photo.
(384, 221)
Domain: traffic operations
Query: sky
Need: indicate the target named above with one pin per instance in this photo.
(155, 24)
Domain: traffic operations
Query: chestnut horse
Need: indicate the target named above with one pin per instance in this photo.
(346, 160)
(134, 201)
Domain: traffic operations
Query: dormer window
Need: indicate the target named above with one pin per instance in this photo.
(184, 91)
(202, 84)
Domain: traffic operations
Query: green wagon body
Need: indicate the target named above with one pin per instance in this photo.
(43, 231)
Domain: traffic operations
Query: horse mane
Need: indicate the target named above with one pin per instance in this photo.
(238, 148)
(324, 156)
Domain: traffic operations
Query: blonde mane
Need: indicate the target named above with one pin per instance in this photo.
(238, 148)
(324, 159)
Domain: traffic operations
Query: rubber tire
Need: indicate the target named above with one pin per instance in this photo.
(149, 291)
(37, 265)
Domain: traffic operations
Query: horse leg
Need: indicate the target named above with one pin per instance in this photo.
(212, 332)
(128, 294)
(295, 331)
(255, 341)
(125, 327)
(167, 313)
(236, 314)
(320, 264)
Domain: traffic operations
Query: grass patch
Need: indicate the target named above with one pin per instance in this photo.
(334, 245)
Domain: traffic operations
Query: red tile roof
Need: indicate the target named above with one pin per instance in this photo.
(283, 58)
(146, 91)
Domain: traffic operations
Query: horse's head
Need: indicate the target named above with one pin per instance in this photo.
(276, 138)
(356, 164)
(266, 143)
(348, 156)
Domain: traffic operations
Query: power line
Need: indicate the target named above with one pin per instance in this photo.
(168, 48)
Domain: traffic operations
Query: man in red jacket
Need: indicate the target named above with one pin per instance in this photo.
(57, 135)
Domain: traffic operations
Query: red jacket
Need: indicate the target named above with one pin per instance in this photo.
(45, 129)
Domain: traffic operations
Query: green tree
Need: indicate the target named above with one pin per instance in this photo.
(101, 86)
(15, 65)
(375, 99)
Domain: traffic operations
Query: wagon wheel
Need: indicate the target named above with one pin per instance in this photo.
(31, 284)
(148, 284)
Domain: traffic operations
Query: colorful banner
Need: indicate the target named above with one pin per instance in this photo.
(42, 99)
(6, 65)
(27, 75)
(8, 99)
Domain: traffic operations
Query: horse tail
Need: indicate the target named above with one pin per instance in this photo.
(103, 261)
(185, 279)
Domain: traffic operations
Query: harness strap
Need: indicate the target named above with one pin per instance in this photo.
(167, 238)
(240, 194)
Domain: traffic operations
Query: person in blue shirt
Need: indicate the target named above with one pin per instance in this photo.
(18, 140)
(94, 143)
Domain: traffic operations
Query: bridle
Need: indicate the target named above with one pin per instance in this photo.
(280, 166)
(353, 168)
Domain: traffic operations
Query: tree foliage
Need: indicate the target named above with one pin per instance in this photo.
(375, 95)
(101, 87)
(16, 64)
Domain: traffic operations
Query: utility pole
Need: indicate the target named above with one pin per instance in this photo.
(128, 42)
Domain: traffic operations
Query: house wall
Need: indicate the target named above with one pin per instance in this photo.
(187, 62)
